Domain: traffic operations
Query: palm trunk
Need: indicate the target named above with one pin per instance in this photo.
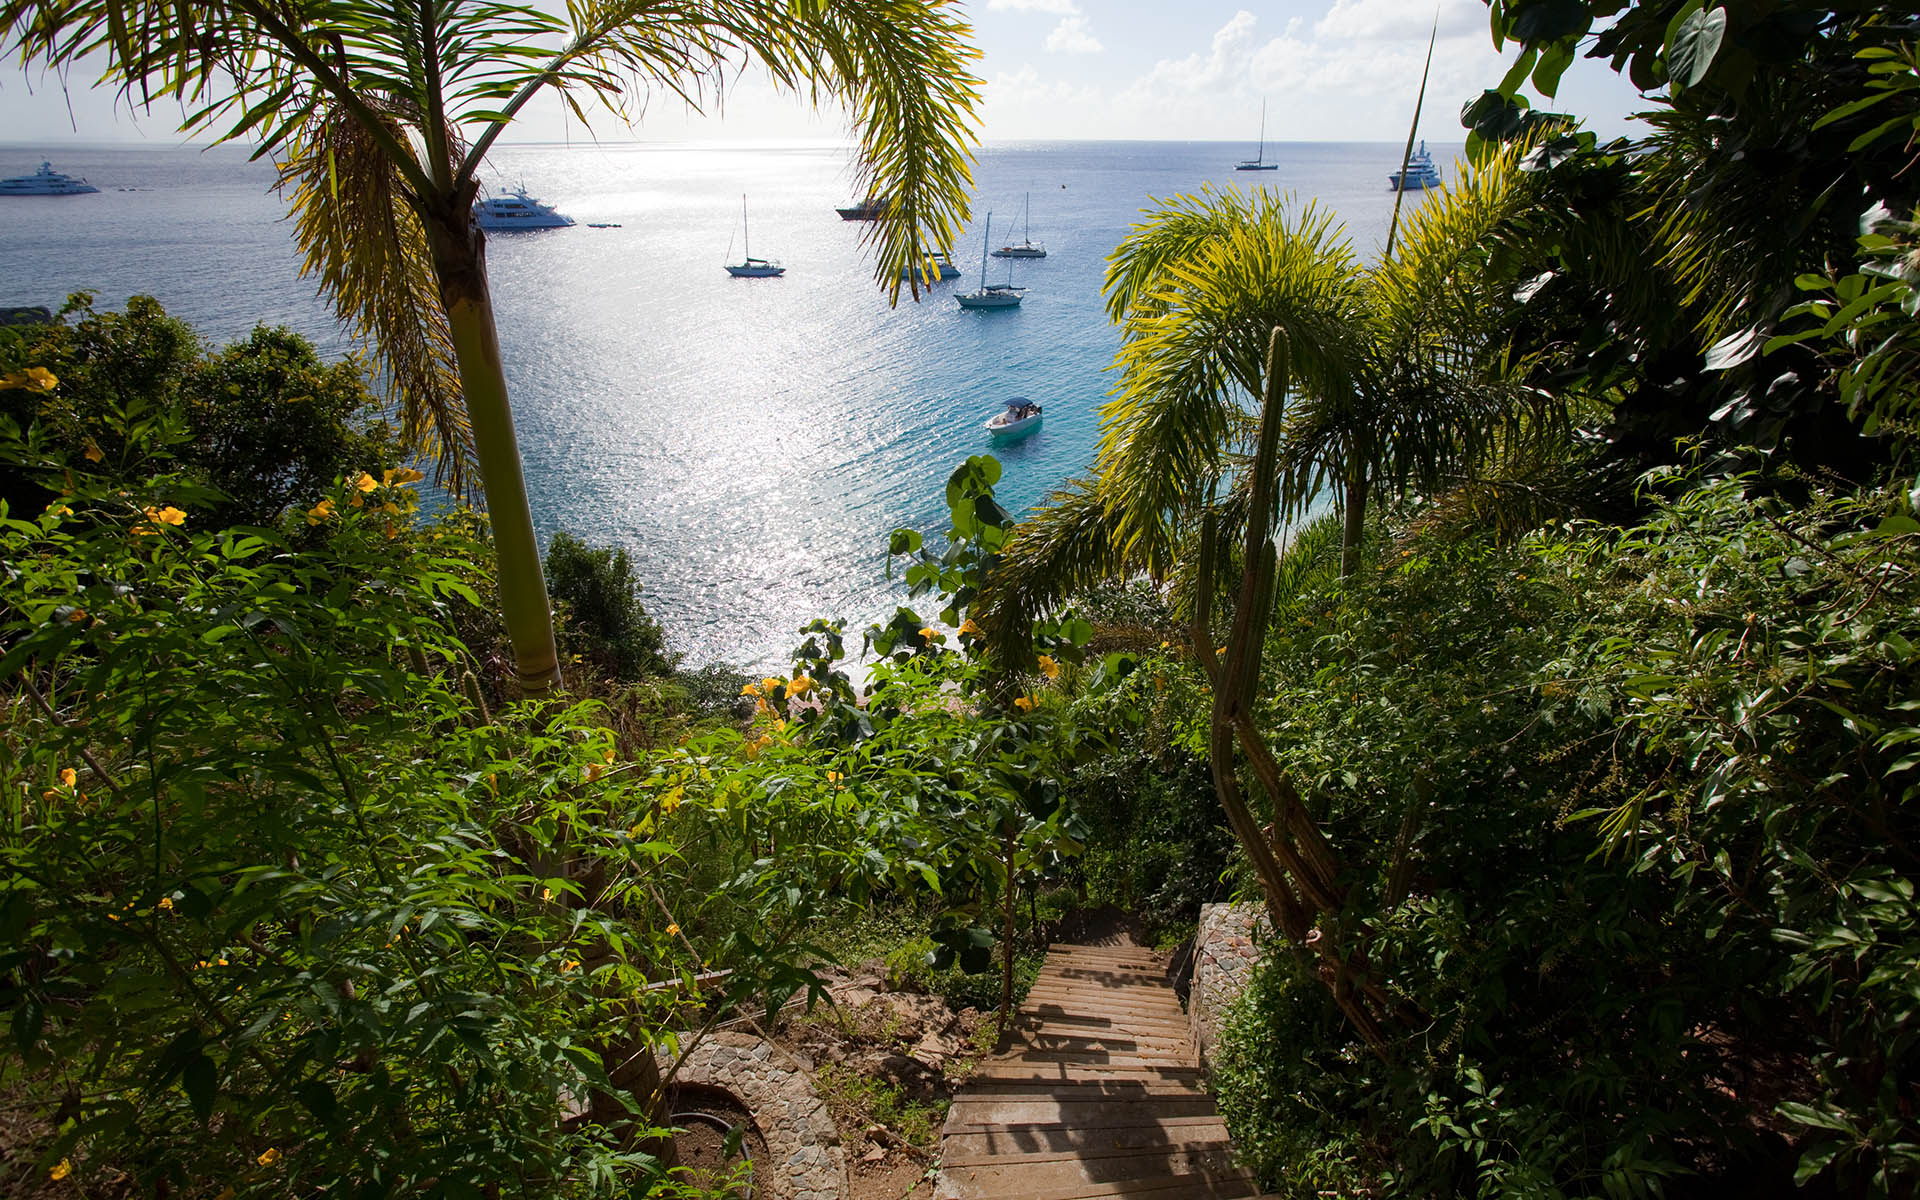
(460, 265)
(1006, 940)
(1354, 523)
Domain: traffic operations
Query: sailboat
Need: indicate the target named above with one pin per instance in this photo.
(991, 295)
(1026, 248)
(1259, 161)
(751, 267)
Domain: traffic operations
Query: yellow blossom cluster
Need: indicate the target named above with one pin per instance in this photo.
(167, 515)
(33, 379)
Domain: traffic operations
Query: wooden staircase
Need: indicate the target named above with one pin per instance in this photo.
(1097, 1091)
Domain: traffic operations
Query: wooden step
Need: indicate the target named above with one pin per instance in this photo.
(1007, 1175)
(1109, 1076)
(1233, 1186)
(974, 1112)
(1188, 1133)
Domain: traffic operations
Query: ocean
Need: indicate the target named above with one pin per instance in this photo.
(751, 442)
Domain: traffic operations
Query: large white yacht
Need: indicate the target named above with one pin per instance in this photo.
(45, 182)
(516, 210)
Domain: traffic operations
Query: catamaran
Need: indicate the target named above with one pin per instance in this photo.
(1259, 161)
(991, 295)
(1027, 248)
(751, 267)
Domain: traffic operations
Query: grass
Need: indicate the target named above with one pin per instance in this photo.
(858, 1101)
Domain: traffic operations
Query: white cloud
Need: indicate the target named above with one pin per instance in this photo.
(1073, 35)
(1224, 65)
(1025, 89)
(1059, 8)
(1391, 20)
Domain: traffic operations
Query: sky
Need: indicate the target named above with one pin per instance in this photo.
(1325, 70)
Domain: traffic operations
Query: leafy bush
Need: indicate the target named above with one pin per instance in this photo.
(268, 425)
(1631, 812)
(603, 618)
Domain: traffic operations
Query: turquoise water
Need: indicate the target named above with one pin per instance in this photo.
(750, 441)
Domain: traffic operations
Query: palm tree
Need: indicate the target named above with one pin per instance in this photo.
(381, 114)
(1393, 380)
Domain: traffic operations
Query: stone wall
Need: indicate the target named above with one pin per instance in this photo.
(803, 1144)
(1223, 958)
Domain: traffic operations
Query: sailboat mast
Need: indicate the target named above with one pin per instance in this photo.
(1259, 155)
(986, 239)
(1026, 234)
(745, 238)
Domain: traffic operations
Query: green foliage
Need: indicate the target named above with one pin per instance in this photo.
(244, 908)
(879, 1101)
(1635, 807)
(263, 422)
(602, 617)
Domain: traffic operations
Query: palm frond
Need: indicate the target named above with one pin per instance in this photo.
(360, 236)
(1070, 543)
(1202, 302)
(903, 68)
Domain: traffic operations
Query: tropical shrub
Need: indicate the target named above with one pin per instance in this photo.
(1632, 850)
(264, 422)
(603, 618)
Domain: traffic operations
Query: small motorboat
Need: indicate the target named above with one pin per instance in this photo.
(942, 268)
(870, 209)
(1020, 418)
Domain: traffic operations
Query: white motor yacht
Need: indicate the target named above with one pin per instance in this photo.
(45, 182)
(516, 210)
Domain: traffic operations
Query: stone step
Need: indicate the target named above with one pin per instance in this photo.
(1006, 1175)
(1186, 1133)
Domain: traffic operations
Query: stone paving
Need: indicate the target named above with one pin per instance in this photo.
(808, 1161)
(1224, 955)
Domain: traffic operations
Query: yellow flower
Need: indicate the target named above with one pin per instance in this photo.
(546, 893)
(366, 482)
(401, 476)
(932, 634)
(1049, 668)
(77, 615)
(572, 964)
(672, 929)
(594, 771)
(269, 1156)
(167, 516)
(166, 902)
(63, 1169)
(800, 686)
(1023, 703)
(93, 452)
(320, 512)
(69, 776)
(967, 626)
(1164, 645)
(752, 689)
(34, 379)
(771, 682)
(833, 777)
(606, 755)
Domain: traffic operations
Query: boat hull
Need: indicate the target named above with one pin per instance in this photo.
(1019, 252)
(1256, 166)
(989, 300)
(756, 272)
(1014, 430)
(1413, 183)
